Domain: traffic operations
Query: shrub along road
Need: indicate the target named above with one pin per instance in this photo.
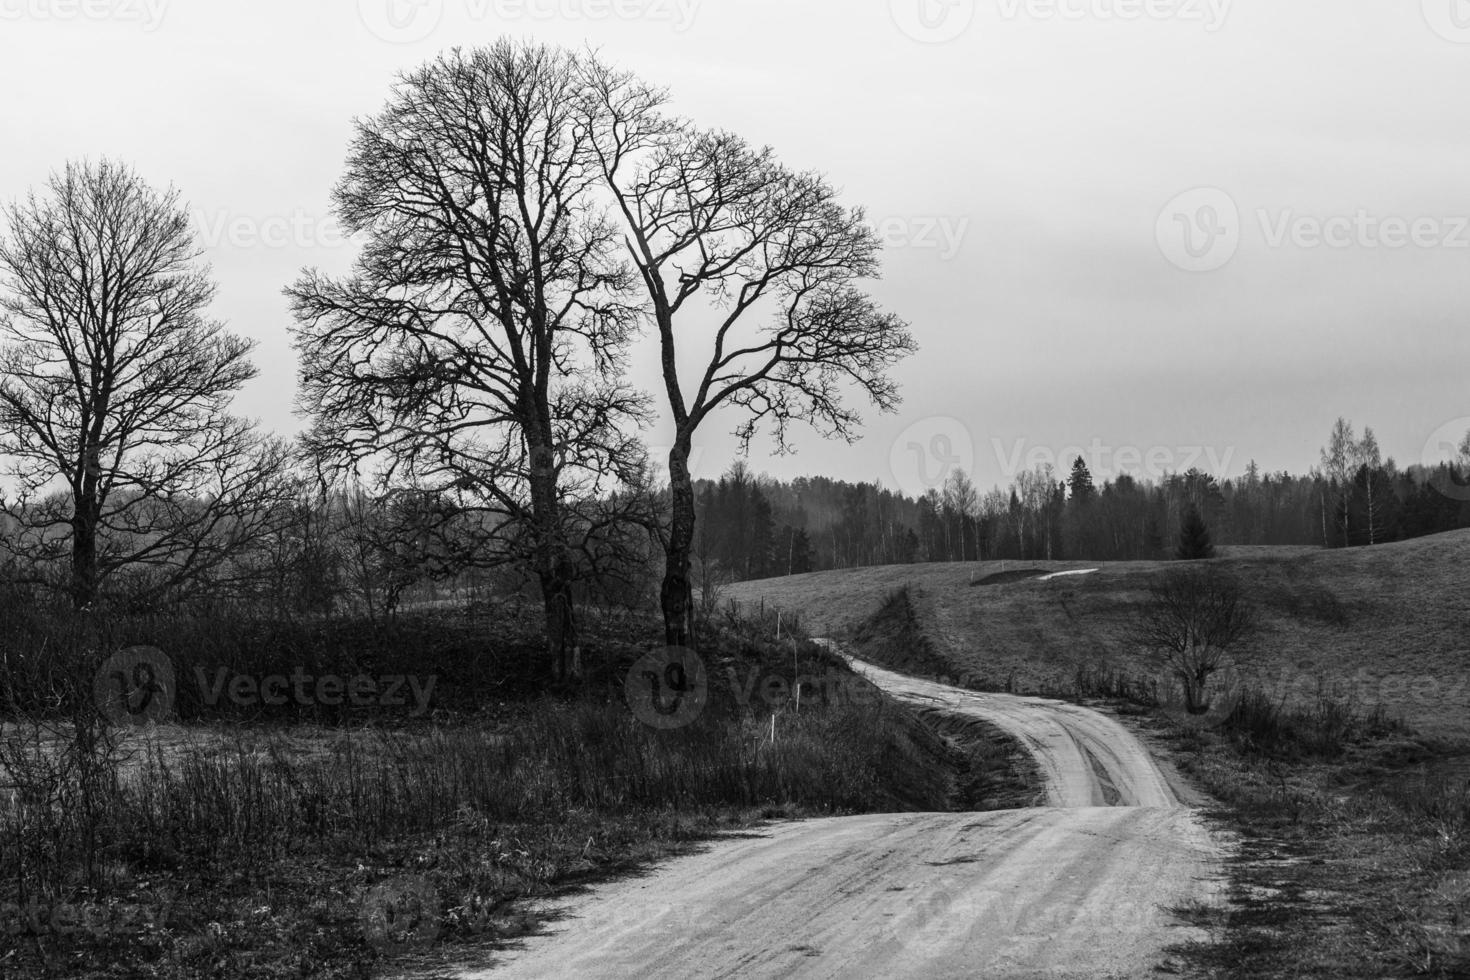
(1081, 887)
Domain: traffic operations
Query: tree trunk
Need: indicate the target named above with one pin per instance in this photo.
(561, 623)
(554, 568)
(1372, 506)
(677, 594)
(84, 554)
(1326, 541)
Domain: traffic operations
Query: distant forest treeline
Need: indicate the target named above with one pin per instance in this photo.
(755, 527)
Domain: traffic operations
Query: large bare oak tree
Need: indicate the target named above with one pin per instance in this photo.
(115, 388)
(478, 342)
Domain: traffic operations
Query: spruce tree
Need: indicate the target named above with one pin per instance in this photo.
(1080, 482)
(1194, 538)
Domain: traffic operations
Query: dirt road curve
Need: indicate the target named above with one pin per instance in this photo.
(1086, 759)
(1076, 889)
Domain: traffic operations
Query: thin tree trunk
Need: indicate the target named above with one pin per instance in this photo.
(1326, 540)
(677, 594)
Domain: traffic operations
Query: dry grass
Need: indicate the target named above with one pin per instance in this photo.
(256, 848)
(1385, 625)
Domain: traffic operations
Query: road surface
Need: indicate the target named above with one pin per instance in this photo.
(1079, 888)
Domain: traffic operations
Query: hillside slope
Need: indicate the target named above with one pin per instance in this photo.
(1387, 625)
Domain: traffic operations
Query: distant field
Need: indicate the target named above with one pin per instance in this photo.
(1389, 624)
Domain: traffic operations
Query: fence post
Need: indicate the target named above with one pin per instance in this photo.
(796, 674)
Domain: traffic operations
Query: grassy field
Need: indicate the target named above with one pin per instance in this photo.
(1386, 625)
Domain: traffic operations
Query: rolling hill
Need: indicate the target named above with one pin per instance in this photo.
(1388, 625)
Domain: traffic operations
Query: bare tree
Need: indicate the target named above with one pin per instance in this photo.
(1192, 620)
(1367, 461)
(751, 272)
(1034, 489)
(1338, 458)
(487, 282)
(961, 499)
(1344, 460)
(114, 390)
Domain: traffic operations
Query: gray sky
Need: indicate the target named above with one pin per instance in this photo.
(1186, 232)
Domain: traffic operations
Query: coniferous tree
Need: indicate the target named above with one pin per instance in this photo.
(1080, 483)
(1194, 538)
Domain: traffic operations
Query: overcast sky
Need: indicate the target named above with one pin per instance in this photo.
(1168, 232)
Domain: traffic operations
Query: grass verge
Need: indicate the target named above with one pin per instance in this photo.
(1353, 857)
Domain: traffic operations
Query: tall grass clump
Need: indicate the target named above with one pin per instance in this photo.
(1323, 728)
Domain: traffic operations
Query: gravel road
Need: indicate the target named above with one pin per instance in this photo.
(1079, 888)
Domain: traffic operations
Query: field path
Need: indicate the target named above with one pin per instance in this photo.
(1079, 888)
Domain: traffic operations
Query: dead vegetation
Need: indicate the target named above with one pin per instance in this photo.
(323, 844)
